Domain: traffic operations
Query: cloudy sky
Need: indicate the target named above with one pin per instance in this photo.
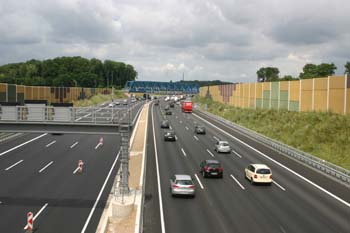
(204, 39)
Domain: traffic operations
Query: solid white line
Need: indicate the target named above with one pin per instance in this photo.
(37, 214)
(31, 140)
(41, 170)
(216, 138)
(210, 153)
(196, 137)
(75, 171)
(180, 122)
(53, 142)
(13, 165)
(280, 164)
(238, 155)
(100, 194)
(170, 127)
(76, 143)
(175, 137)
(200, 184)
(186, 128)
(162, 223)
(98, 145)
(183, 152)
(278, 185)
(237, 182)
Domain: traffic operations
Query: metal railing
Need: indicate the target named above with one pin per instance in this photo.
(331, 169)
(69, 115)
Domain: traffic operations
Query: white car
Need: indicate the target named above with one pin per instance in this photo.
(182, 185)
(258, 173)
(111, 104)
(222, 147)
(167, 98)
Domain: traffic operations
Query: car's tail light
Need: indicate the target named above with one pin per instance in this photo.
(220, 169)
(175, 186)
(191, 187)
(270, 176)
(255, 176)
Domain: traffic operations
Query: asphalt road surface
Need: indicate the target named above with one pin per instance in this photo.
(38, 173)
(299, 200)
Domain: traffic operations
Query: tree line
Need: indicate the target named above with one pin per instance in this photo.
(271, 74)
(68, 72)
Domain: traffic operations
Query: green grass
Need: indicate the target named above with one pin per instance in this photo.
(97, 99)
(325, 135)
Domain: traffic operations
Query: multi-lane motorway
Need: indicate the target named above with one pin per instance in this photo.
(38, 173)
(299, 200)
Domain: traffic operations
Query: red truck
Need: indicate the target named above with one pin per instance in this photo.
(186, 106)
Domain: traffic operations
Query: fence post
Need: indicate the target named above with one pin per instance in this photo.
(345, 92)
(328, 94)
(270, 95)
(299, 95)
(313, 95)
(288, 94)
(255, 96)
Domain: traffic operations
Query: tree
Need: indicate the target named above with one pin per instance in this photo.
(347, 68)
(288, 78)
(317, 71)
(268, 74)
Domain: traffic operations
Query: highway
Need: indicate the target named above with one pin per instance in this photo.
(38, 173)
(299, 200)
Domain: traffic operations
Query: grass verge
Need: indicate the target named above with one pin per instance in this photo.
(97, 99)
(325, 135)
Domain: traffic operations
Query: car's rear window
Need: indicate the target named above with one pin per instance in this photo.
(263, 171)
(224, 144)
(214, 165)
(184, 182)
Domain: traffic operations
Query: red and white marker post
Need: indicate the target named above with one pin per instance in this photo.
(80, 166)
(30, 225)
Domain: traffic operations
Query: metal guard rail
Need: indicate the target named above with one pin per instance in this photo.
(331, 169)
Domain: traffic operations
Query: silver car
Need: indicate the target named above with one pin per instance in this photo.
(222, 147)
(182, 185)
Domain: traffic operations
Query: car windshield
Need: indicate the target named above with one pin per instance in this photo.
(263, 171)
(184, 182)
(224, 144)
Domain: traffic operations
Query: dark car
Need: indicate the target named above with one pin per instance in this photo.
(168, 112)
(167, 107)
(198, 129)
(156, 103)
(211, 168)
(165, 124)
(172, 104)
(169, 136)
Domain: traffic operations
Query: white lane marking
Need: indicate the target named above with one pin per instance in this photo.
(53, 142)
(175, 137)
(98, 145)
(170, 127)
(76, 143)
(41, 170)
(238, 155)
(37, 214)
(183, 152)
(14, 165)
(195, 137)
(240, 185)
(162, 224)
(75, 171)
(180, 122)
(186, 128)
(216, 138)
(280, 164)
(210, 153)
(31, 140)
(100, 194)
(200, 184)
(280, 186)
(176, 117)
